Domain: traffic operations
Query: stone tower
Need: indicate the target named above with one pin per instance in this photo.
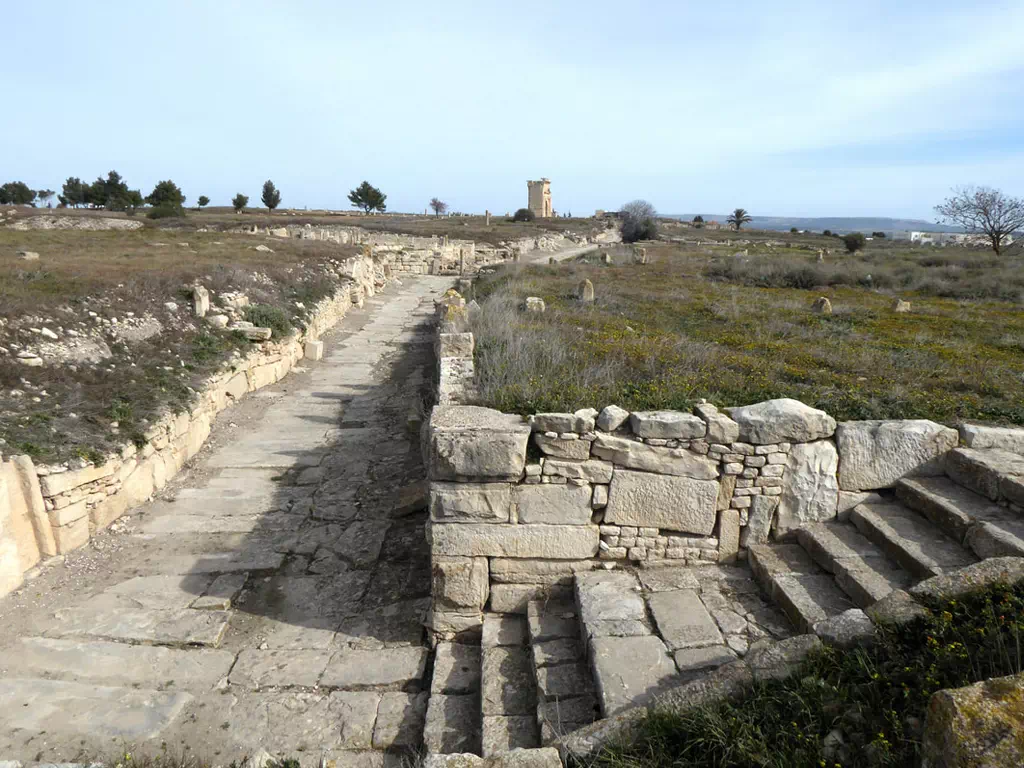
(540, 198)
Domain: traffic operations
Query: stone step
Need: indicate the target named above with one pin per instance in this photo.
(453, 712)
(909, 539)
(629, 662)
(986, 528)
(995, 474)
(508, 695)
(802, 590)
(565, 688)
(860, 568)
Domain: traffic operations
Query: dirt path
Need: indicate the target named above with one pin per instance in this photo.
(271, 598)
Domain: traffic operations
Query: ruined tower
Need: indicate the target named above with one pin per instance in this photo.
(540, 198)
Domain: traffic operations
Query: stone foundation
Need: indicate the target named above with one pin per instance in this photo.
(51, 510)
(519, 506)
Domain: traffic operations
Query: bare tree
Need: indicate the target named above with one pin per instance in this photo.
(440, 208)
(984, 211)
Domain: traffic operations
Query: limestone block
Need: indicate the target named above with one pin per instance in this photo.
(459, 583)
(535, 571)
(71, 536)
(52, 485)
(611, 418)
(978, 725)
(559, 542)
(600, 499)
(561, 448)
(649, 458)
(875, 454)
(721, 429)
(470, 502)
(313, 350)
(759, 520)
(591, 471)
(554, 504)
(810, 492)
(200, 301)
(629, 671)
(667, 424)
(10, 569)
(514, 598)
(473, 442)
(23, 515)
(850, 499)
(782, 421)
(982, 436)
(455, 345)
(553, 422)
(661, 501)
(728, 535)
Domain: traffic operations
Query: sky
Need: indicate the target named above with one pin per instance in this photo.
(835, 108)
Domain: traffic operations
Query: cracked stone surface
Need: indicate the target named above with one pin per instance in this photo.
(271, 597)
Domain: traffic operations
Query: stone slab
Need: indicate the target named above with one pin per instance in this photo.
(452, 724)
(560, 542)
(631, 454)
(503, 733)
(507, 682)
(661, 501)
(683, 621)
(554, 504)
(470, 502)
(393, 668)
(400, 720)
(629, 671)
(257, 669)
(456, 669)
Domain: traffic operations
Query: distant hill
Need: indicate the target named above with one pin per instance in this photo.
(867, 224)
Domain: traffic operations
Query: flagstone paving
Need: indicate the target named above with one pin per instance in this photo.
(270, 598)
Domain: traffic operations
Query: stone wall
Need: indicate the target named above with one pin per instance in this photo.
(413, 254)
(518, 506)
(51, 510)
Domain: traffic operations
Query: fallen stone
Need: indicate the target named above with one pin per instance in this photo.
(847, 629)
(770, 660)
(28, 255)
(975, 726)
(585, 291)
(896, 608)
(782, 421)
(697, 659)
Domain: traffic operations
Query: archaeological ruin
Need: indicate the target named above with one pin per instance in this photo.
(539, 198)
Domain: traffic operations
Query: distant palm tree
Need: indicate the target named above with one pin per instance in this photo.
(738, 218)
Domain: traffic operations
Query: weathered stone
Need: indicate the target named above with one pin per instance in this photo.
(683, 621)
(200, 301)
(850, 499)
(769, 660)
(667, 424)
(994, 570)
(554, 504)
(782, 421)
(470, 502)
(399, 720)
(564, 681)
(590, 471)
(982, 436)
(313, 350)
(456, 669)
(535, 304)
(669, 578)
(459, 583)
(502, 733)
(513, 598)
(665, 461)
(258, 669)
(875, 454)
(662, 501)
(536, 571)
(977, 726)
(847, 629)
(585, 291)
(507, 682)
(822, 306)
(473, 442)
(557, 542)
(454, 345)
(696, 659)
(983, 471)
(504, 630)
(721, 429)
(629, 671)
(811, 490)
(563, 449)
(516, 758)
(451, 727)
(611, 418)
(384, 668)
(610, 604)
(896, 608)
(759, 520)
(553, 652)
(553, 422)
(600, 498)
(728, 535)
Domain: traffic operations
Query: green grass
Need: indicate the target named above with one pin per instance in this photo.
(874, 698)
(665, 334)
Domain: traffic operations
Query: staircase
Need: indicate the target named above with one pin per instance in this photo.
(630, 635)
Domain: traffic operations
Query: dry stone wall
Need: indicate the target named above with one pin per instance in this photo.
(518, 506)
(52, 510)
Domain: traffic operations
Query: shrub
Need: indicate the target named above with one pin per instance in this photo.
(639, 221)
(854, 241)
(165, 211)
(827, 233)
(524, 214)
(878, 235)
(267, 316)
(793, 230)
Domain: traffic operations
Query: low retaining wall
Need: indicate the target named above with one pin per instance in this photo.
(517, 506)
(51, 510)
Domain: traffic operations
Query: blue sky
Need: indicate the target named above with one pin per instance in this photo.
(783, 108)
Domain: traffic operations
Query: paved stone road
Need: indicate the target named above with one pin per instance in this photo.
(272, 599)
